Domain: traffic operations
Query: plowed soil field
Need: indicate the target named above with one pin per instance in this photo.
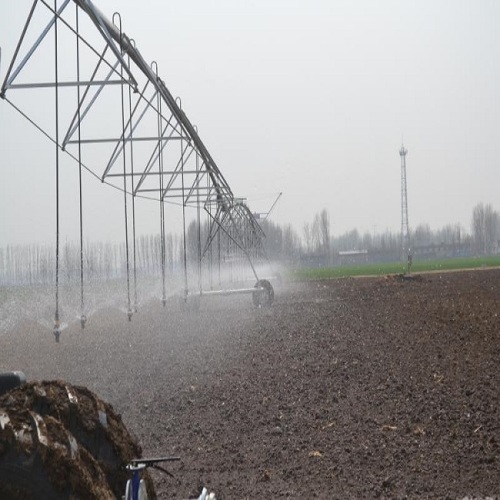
(348, 388)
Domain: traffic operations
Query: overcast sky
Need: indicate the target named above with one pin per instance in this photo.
(309, 98)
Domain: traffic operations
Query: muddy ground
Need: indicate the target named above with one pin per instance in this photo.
(349, 388)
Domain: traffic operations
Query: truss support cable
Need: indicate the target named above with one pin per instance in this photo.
(133, 194)
(162, 249)
(219, 252)
(184, 242)
(210, 261)
(162, 202)
(163, 257)
(125, 207)
(83, 318)
(198, 221)
(57, 320)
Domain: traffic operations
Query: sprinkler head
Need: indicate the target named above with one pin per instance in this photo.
(57, 330)
(83, 320)
(130, 313)
(164, 301)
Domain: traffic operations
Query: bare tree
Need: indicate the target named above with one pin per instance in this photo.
(324, 226)
(316, 234)
(308, 242)
(485, 229)
(291, 243)
(422, 235)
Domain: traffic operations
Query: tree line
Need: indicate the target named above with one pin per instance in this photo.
(483, 238)
(35, 263)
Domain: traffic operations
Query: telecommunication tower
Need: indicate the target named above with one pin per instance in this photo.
(405, 229)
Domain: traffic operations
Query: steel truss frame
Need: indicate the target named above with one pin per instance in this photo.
(140, 152)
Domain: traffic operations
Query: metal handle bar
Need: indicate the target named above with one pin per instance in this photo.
(152, 461)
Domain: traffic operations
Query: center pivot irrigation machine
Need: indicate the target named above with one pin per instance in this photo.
(112, 113)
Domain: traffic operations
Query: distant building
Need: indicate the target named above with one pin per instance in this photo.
(349, 257)
(441, 251)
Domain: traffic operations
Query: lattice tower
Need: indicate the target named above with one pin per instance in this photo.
(405, 229)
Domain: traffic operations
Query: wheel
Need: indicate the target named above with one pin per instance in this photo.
(93, 423)
(263, 296)
(39, 458)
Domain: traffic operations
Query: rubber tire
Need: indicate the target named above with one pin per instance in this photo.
(264, 297)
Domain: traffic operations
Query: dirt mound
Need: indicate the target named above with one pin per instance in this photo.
(66, 436)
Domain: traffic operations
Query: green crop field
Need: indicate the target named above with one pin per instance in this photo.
(304, 274)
